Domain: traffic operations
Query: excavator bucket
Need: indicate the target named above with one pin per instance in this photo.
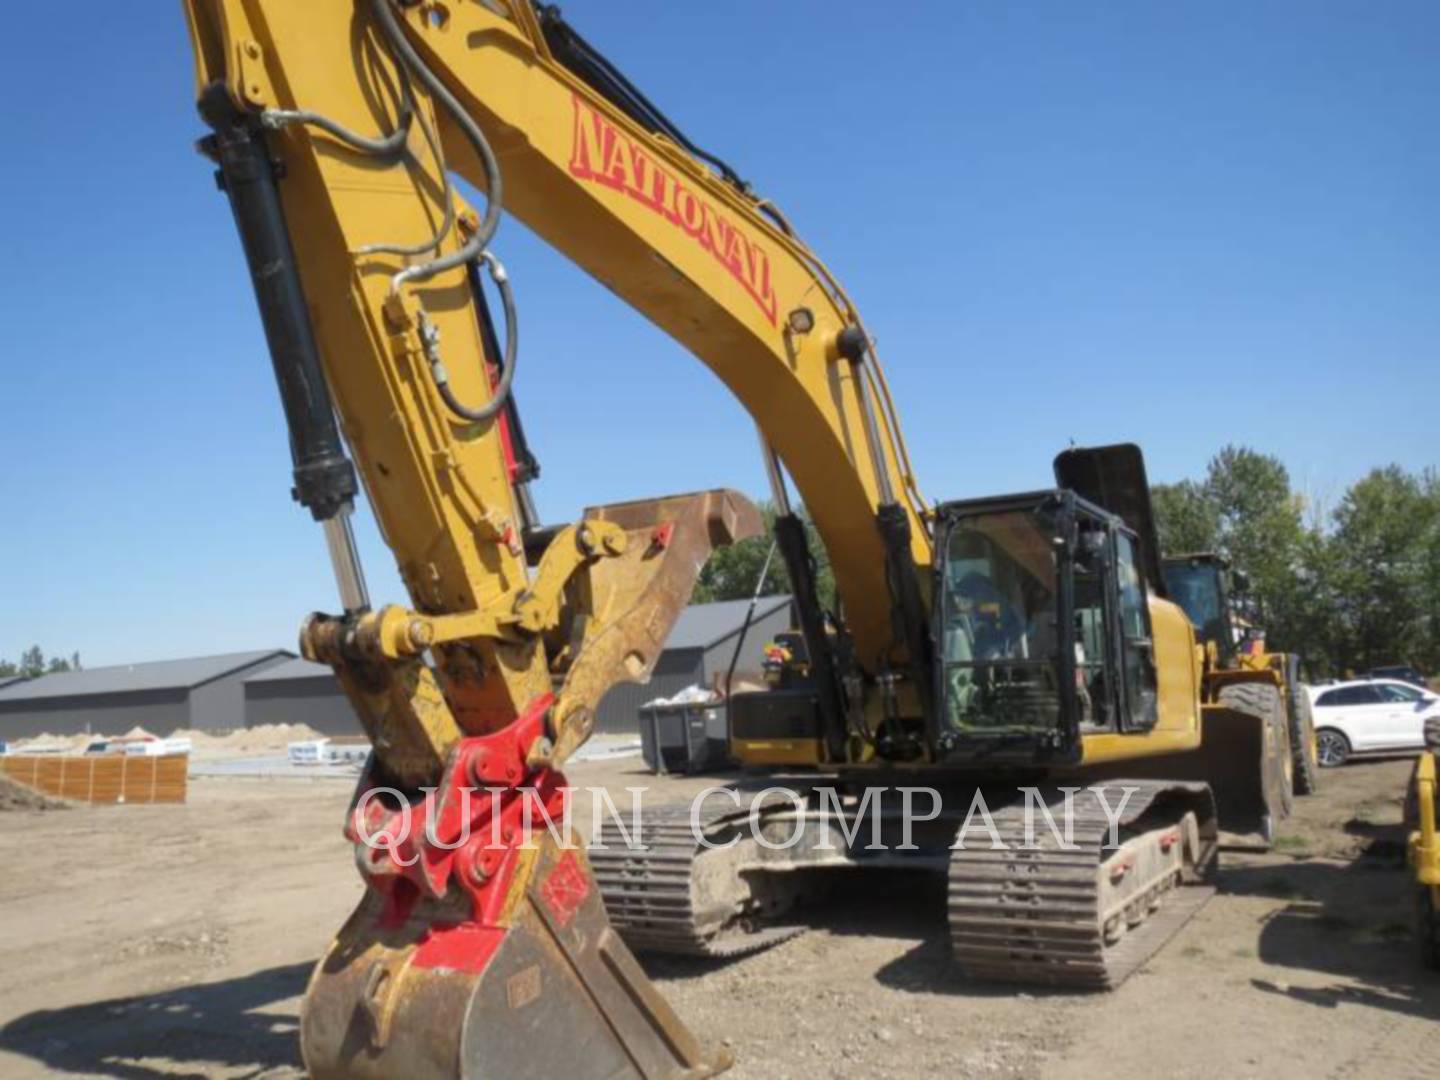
(482, 947)
(547, 989)
(634, 599)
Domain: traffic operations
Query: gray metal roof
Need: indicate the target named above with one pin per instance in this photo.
(703, 625)
(299, 668)
(128, 678)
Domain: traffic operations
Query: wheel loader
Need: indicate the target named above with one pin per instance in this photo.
(1238, 666)
(1005, 659)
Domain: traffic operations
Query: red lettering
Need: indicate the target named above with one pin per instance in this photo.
(602, 154)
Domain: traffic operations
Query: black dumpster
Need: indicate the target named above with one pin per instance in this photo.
(684, 738)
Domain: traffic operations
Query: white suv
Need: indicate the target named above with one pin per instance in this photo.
(1369, 716)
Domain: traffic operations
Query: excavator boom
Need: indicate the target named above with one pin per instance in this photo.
(339, 128)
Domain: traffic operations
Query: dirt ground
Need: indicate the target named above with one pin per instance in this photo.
(142, 942)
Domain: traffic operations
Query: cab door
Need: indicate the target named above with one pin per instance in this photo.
(1137, 645)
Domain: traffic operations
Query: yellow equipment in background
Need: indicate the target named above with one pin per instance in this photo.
(1239, 668)
(1018, 647)
(1423, 848)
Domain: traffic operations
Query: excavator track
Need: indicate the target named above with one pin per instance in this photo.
(651, 894)
(1065, 915)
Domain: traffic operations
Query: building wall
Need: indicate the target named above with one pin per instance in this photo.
(158, 711)
(219, 705)
(318, 702)
(618, 711)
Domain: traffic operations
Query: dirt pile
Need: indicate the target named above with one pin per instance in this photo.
(271, 737)
(47, 743)
(16, 796)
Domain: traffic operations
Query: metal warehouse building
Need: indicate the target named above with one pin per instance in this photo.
(698, 651)
(299, 692)
(206, 692)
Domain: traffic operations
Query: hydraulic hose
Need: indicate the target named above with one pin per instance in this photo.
(430, 336)
(385, 16)
(382, 146)
(447, 199)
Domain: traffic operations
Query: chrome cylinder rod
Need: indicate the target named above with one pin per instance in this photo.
(345, 559)
(778, 491)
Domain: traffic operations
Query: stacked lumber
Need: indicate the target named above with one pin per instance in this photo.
(102, 778)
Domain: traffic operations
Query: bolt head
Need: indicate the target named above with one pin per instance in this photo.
(421, 633)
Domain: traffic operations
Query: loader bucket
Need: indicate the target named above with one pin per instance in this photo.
(1239, 757)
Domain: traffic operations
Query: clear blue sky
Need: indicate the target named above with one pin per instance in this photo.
(1178, 223)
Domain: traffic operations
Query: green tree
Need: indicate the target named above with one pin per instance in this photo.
(1245, 510)
(731, 573)
(1187, 518)
(1312, 630)
(33, 664)
(1430, 572)
(1383, 551)
(1261, 532)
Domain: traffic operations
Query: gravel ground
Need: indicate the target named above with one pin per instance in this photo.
(142, 942)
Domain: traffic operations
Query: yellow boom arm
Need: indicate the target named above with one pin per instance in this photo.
(337, 126)
(704, 260)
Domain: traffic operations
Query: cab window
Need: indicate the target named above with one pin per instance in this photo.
(1138, 660)
(999, 638)
(1093, 628)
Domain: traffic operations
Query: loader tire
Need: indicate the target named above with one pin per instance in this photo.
(1302, 742)
(1264, 701)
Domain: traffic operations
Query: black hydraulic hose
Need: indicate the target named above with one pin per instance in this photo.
(474, 248)
(596, 69)
(384, 146)
(527, 465)
(431, 339)
(385, 16)
(447, 199)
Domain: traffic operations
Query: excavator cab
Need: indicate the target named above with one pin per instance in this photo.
(1041, 628)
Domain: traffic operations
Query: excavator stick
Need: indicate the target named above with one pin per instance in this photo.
(482, 947)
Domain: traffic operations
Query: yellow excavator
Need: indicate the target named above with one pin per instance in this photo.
(989, 658)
